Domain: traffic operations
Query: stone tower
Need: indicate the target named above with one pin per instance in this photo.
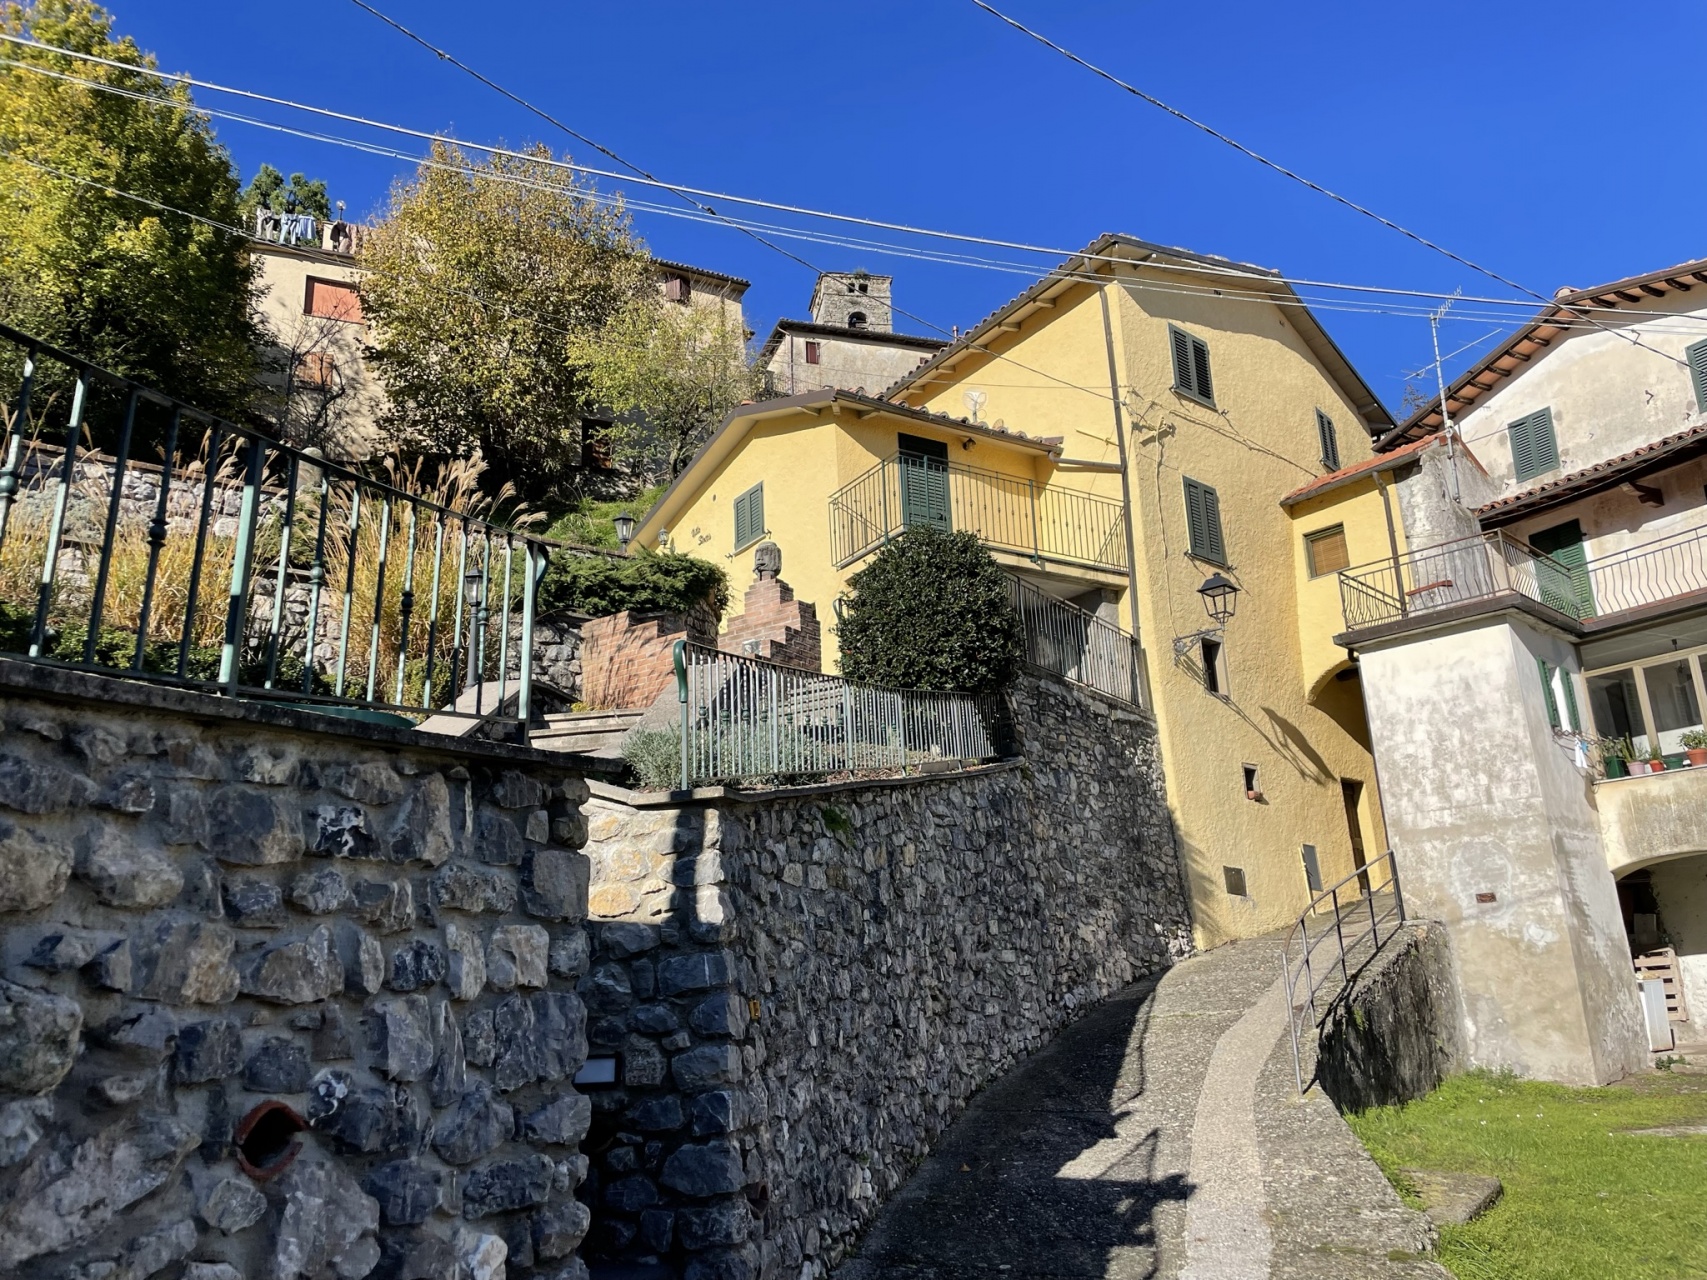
(853, 300)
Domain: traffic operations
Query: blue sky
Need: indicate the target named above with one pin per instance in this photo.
(1559, 146)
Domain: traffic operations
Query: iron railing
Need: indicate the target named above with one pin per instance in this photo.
(1653, 573)
(742, 717)
(141, 535)
(1462, 571)
(1067, 641)
(1357, 927)
(1045, 522)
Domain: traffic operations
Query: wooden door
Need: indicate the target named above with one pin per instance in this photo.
(1351, 792)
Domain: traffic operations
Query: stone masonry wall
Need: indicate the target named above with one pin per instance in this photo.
(204, 909)
(804, 988)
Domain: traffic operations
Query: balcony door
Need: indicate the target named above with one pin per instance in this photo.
(1569, 590)
(923, 468)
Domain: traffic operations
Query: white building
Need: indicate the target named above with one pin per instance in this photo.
(849, 344)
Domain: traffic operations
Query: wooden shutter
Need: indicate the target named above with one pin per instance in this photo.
(1697, 357)
(1183, 379)
(749, 515)
(1534, 449)
(1570, 687)
(1330, 441)
(1200, 366)
(1327, 551)
(1547, 692)
(1203, 522)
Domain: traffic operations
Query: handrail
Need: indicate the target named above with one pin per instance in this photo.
(145, 536)
(1077, 645)
(1302, 975)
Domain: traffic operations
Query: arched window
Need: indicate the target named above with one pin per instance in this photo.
(856, 319)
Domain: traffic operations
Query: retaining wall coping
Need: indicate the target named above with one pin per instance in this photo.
(715, 795)
(68, 684)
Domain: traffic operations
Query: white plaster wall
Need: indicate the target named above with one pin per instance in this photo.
(1616, 521)
(1680, 887)
(1437, 496)
(1492, 803)
(1608, 395)
(849, 365)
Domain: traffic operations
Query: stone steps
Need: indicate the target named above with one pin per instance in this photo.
(594, 733)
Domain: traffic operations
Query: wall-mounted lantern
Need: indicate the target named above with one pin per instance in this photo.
(624, 529)
(1218, 597)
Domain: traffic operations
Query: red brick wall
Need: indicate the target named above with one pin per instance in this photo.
(779, 627)
(627, 658)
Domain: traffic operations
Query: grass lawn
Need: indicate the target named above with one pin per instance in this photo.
(588, 522)
(1582, 1197)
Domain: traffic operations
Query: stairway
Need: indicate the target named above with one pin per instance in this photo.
(593, 733)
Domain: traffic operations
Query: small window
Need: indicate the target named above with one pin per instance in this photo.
(333, 300)
(1330, 441)
(597, 452)
(1253, 787)
(1534, 450)
(1203, 522)
(750, 516)
(1191, 366)
(863, 288)
(677, 289)
(317, 369)
(1327, 551)
(1214, 659)
(811, 353)
(856, 320)
(1696, 354)
(1312, 869)
(1235, 880)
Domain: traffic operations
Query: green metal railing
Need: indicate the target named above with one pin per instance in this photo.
(1044, 522)
(141, 535)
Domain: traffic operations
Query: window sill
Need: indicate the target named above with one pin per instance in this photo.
(751, 542)
(1194, 398)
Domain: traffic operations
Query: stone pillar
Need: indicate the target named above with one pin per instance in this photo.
(773, 625)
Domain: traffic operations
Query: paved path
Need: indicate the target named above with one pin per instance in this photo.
(1159, 1138)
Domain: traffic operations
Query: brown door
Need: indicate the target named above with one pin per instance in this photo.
(1351, 791)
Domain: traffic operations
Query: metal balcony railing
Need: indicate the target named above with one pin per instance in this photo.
(742, 717)
(1078, 646)
(1041, 521)
(1490, 564)
(144, 537)
(1463, 571)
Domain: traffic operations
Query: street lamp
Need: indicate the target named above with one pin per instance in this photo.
(1218, 597)
(624, 529)
(471, 584)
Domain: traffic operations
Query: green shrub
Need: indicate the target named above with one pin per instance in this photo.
(591, 522)
(601, 585)
(656, 756)
(932, 610)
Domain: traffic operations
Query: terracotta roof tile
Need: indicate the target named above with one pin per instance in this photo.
(1602, 474)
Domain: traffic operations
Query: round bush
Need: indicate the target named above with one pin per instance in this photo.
(932, 610)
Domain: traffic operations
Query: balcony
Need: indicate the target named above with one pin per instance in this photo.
(1487, 566)
(1006, 513)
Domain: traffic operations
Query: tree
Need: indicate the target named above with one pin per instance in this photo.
(269, 190)
(486, 282)
(932, 610)
(153, 294)
(670, 372)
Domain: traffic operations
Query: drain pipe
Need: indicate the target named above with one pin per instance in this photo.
(1125, 492)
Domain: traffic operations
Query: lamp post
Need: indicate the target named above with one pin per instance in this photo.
(471, 584)
(1219, 597)
(624, 530)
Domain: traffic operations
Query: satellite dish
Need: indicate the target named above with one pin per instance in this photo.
(975, 402)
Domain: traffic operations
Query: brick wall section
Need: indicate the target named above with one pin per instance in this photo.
(205, 906)
(626, 658)
(779, 627)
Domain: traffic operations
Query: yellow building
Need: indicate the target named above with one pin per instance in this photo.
(1196, 392)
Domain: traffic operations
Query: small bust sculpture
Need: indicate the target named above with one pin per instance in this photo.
(767, 560)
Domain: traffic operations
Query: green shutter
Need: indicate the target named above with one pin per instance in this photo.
(1534, 448)
(1203, 522)
(749, 515)
(1200, 366)
(1547, 692)
(1697, 357)
(1191, 365)
(1570, 687)
(1330, 441)
(1182, 359)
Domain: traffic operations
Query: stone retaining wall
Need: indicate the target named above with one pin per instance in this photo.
(803, 988)
(206, 907)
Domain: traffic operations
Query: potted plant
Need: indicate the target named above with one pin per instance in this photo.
(1615, 756)
(1695, 746)
(1656, 759)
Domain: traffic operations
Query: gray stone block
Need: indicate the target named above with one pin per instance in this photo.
(561, 1122)
(656, 1115)
(705, 1169)
(320, 891)
(252, 904)
(326, 1226)
(554, 884)
(38, 1038)
(707, 1067)
(123, 873)
(631, 1195)
(407, 1192)
(250, 828)
(724, 1014)
(37, 787)
(699, 972)
(401, 1035)
(569, 954)
(496, 839)
(417, 965)
(558, 1228)
(506, 1185)
(516, 957)
(607, 989)
(712, 1225)
(232, 1205)
(474, 1127)
(189, 963)
(209, 1050)
(33, 871)
(297, 972)
(456, 887)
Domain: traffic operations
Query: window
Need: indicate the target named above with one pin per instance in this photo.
(811, 353)
(1696, 354)
(1671, 697)
(1234, 877)
(1617, 706)
(1559, 691)
(1330, 442)
(750, 516)
(1191, 366)
(332, 299)
(677, 289)
(856, 320)
(1214, 666)
(1252, 790)
(1327, 551)
(597, 453)
(1534, 451)
(317, 369)
(1652, 703)
(1203, 522)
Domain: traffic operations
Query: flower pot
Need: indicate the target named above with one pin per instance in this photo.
(1616, 767)
(1656, 766)
(1637, 768)
(1696, 755)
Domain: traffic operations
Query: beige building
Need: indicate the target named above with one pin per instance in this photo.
(849, 344)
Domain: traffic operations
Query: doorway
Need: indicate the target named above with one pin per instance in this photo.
(1351, 793)
(924, 482)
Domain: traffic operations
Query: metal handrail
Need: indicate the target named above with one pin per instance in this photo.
(1302, 976)
(143, 535)
(1044, 522)
(1462, 571)
(743, 717)
(1078, 646)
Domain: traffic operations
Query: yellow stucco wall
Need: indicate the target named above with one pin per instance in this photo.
(1256, 444)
